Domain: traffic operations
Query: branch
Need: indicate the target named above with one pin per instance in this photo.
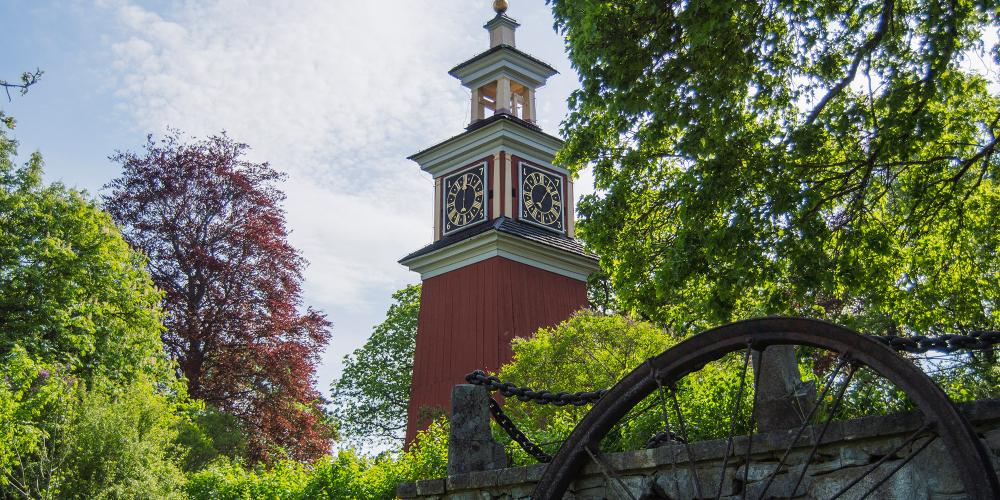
(27, 79)
(883, 27)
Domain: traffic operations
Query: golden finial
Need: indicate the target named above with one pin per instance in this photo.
(500, 6)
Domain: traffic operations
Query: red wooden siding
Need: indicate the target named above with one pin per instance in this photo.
(468, 318)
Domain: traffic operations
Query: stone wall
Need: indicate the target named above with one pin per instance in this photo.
(664, 472)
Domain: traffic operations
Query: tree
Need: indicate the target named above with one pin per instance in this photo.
(63, 439)
(87, 400)
(814, 158)
(72, 292)
(27, 80)
(371, 396)
(211, 223)
(592, 351)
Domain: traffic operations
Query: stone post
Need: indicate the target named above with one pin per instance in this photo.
(784, 400)
(471, 447)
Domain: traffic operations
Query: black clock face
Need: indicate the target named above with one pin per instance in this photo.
(541, 198)
(464, 199)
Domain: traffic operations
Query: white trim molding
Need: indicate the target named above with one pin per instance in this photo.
(496, 244)
(501, 135)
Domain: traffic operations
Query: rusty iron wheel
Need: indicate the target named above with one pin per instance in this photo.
(941, 418)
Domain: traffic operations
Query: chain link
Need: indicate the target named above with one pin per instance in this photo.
(511, 429)
(508, 389)
(919, 344)
(663, 438)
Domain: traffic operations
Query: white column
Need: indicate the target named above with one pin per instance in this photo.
(534, 106)
(503, 95)
(496, 184)
(477, 105)
(437, 209)
(529, 106)
(508, 210)
(570, 204)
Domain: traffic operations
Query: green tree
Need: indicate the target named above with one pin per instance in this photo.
(72, 292)
(591, 351)
(371, 396)
(821, 158)
(88, 404)
(63, 439)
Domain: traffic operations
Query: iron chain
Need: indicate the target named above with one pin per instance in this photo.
(508, 389)
(663, 438)
(919, 344)
(508, 426)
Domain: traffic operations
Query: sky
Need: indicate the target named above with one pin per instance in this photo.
(335, 93)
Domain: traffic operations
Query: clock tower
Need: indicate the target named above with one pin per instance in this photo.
(504, 261)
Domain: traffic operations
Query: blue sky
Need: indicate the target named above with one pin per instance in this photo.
(336, 93)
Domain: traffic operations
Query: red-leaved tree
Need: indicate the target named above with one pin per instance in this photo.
(213, 228)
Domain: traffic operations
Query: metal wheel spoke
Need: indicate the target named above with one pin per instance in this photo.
(666, 418)
(609, 473)
(805, 424)
(687, 442)
(913, 437)
(732, 423)
(753, 424)
(826, 425)
(902, 464)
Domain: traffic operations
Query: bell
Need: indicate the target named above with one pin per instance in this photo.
(500, 6)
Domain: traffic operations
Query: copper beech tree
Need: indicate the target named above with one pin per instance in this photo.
(211, 223)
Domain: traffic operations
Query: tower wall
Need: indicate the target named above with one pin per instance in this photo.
(468, 319)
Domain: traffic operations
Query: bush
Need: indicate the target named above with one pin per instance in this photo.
(119, 443)
(61, 438)
(343, 475)
(206, 434)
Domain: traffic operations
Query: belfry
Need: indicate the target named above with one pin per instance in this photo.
(504, 261)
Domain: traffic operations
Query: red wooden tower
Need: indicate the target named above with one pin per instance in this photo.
(504, 261)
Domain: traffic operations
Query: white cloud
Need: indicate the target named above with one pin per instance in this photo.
(337, 94)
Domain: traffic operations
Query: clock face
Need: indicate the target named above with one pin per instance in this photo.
(464, 199)
(541, 198)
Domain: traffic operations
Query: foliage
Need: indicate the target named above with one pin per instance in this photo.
(600, 293)
(587, 352)
(119, 443)
(213, 228)
(87, 399)
(72, 292)
(33, 400)
(205, 434)
(64, 440)
(28, 78)
(344, 475)
(370, 398)
(811, 158)
(591, 351)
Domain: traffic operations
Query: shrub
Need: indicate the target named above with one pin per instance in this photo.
(346, 474)
(61, 438)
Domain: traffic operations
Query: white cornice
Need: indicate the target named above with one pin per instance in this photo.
(503, 59)
(501, 135)
(496, 244)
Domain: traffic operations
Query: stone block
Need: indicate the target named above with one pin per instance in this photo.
(430, 487)
(406, 490)
(783, 399)
(473, 480)
(471, 447)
